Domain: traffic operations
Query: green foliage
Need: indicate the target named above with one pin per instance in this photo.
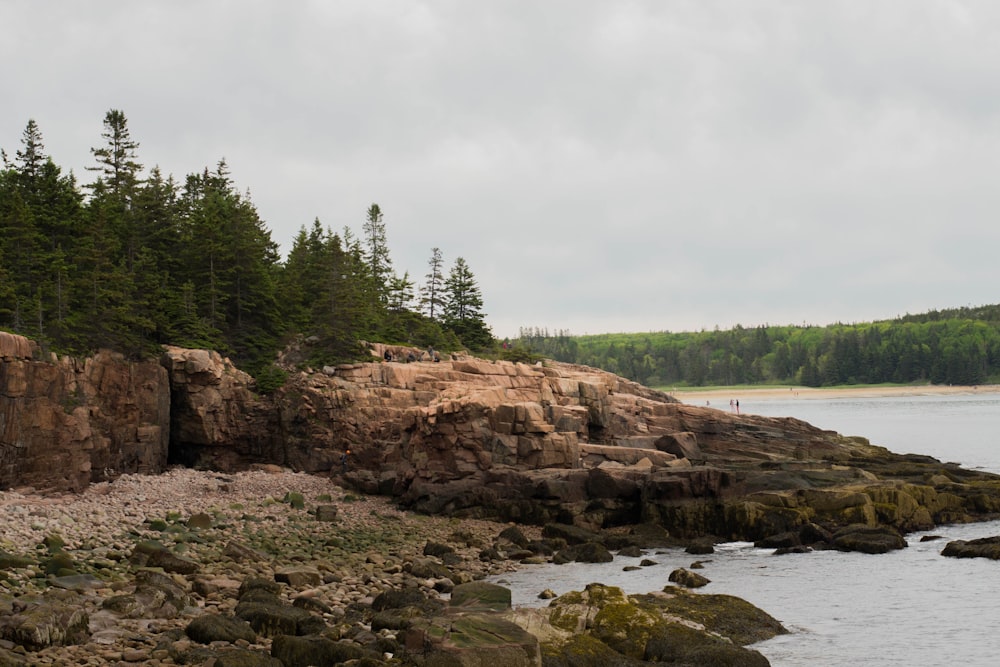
(142, 261)
(269, 378)
(961, 347)
(463, 303)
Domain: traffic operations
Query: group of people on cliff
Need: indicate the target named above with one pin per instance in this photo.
(432, 355)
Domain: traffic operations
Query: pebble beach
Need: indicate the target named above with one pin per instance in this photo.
(283, 517)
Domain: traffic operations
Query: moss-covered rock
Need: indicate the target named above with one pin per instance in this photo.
(602, 625)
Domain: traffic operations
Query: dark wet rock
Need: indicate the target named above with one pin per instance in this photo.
(225, 657)
(631, 552)
(313, 651)
(150, 553)
(700, 549)
(48, 620)
(800, 549)
(589, 552)
(60, 564)
(243, 553)
(209, 628)
(260, 585)
(260, 606)
(647, 562)
(811, 533)
(868, 539)
(273, 619)
(438, 550)
(573, 535)
(472, 639)
(984, 547)
(199, 521)
(397, 598)
(427, 568)
(688, 579)
(10, 659)
(514, 535)
(9, 561)
(156, 595)
(326, 513)
(311, 603)
(780, 541)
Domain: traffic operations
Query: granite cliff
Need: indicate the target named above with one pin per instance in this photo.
(546, 443)
(65, 423)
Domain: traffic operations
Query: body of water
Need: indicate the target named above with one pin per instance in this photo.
(908, 607)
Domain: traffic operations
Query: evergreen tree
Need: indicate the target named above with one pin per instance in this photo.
(400, 293)
(119, 170)
(116, 160)
(32, 156)
(432, 291)
(377, 253)
(463, 304)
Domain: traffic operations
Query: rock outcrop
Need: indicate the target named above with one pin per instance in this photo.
(543, 443)
(65, 423)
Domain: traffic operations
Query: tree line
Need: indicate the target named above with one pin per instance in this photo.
(959, 346)
(132, 260)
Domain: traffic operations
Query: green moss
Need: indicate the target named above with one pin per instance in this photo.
(565, 618)
(726, 615)
(295, 499)
(580, 651)
(158, 525)
(625, 627)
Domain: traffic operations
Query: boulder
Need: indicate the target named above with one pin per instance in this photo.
(209, 628)
(687, 578)
(482, 595)
(984, 547)
(868, 539)
(39, 622)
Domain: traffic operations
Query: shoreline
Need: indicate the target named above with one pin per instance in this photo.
(700, 396)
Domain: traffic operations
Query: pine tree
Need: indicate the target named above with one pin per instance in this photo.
(32, 156)
(432, 291)
(116, 160)
(119, 172)
(463, 307)
(377, 253)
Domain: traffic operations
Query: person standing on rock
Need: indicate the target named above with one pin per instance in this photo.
(343, 461)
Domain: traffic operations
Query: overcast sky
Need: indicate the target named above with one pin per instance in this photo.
(601, 166)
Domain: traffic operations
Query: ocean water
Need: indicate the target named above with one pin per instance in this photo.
(909, 607)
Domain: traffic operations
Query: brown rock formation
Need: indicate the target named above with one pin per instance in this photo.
(66, 423)
(468, 437)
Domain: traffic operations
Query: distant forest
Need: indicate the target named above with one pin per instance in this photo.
(960, 346)
(132, 260)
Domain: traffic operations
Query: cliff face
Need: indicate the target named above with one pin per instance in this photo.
(472, 438)
(65, 424)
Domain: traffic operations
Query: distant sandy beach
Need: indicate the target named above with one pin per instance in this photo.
(723, 395)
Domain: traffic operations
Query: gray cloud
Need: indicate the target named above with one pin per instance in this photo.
(625, 166)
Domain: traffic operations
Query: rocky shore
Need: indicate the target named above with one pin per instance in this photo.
(112, 553)
(271, 567)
